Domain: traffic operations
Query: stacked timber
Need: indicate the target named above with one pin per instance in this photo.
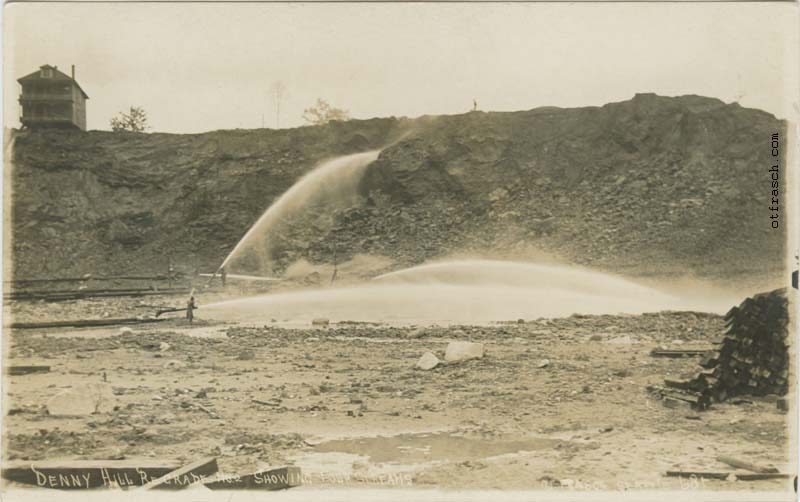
(752, 359)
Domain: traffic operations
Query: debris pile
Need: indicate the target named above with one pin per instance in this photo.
(752, 358)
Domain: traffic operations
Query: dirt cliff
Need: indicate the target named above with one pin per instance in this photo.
(654, 186)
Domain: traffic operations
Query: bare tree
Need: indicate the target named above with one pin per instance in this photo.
(279, 92)
(323, 113)
(134, 121)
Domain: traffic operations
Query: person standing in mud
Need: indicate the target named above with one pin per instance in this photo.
(190, 306)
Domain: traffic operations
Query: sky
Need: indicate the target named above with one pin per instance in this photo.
(203, 66)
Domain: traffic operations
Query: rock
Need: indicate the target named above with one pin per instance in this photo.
(543, 225)
(669, 402)
(320, 321)
(174, 364)
(543, 363)
(246, 355)
(417, 333)
(520, 321)
(122, 233)
(497, 194)
(621, 340)
(463, 351)
(122, 331)
(313, 278)
(164, 346)
(88, 399)
(596, 338)
(428, 361)
(167, 418)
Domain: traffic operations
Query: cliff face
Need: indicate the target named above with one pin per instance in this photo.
(103, 202)
(651, 186)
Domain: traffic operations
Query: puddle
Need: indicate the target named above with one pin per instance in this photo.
(413, 448)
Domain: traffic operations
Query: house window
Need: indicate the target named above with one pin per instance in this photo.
(47, 72)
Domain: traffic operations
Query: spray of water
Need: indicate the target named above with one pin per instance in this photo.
(333, 183)
(516, 274)
(470, 291)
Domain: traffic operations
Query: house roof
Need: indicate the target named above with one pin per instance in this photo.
(57, 75)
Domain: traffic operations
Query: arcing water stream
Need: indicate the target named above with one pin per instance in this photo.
(466, 291)
(333, 182)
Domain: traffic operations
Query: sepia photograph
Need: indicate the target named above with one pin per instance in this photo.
(384, 250)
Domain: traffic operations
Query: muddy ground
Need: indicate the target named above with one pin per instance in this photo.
(558, 404)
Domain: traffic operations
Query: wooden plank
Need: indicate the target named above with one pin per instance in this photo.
(78, 295)
(169, 310)
(196, 472)
(85, 278)
(678, 384)
(26, 370)
(743, 464)
(50, 280)
(273, 479)
(85, 474)
(79, 323)
(679, 352)
(45, 292)
(742, 476)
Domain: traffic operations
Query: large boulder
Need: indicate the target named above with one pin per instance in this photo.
(462, 351)
(428, 361)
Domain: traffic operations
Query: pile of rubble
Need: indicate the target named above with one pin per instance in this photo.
(751, 360)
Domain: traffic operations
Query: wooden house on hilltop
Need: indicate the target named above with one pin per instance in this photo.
(51, 98)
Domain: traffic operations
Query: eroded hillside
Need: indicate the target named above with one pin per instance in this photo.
(652, 186)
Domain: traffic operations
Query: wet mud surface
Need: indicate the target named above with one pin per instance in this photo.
(557, 404)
